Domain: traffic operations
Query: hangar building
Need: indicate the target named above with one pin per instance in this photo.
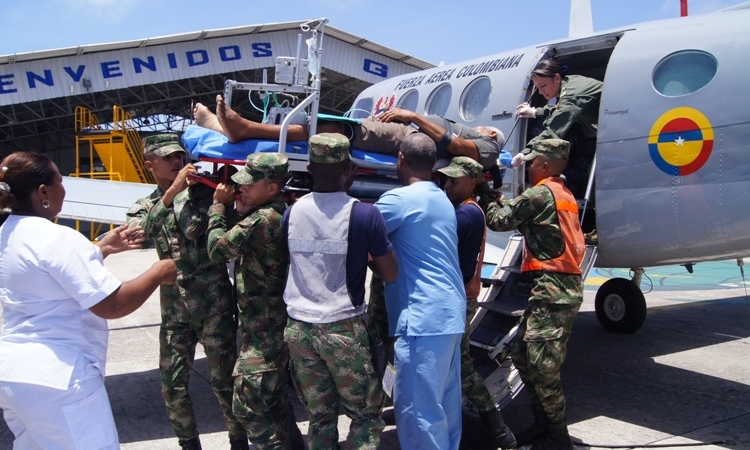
(156, 80)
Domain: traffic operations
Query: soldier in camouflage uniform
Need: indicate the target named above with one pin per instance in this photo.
(330, 236)
(547, 216)
(199, 306)
(574, 116)
(251, 233)
(461, 178)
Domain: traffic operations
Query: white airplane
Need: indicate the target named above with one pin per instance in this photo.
(672, 175)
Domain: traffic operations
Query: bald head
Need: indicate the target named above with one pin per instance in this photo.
(493, 133)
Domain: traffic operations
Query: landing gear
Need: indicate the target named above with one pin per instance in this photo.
(620, 305)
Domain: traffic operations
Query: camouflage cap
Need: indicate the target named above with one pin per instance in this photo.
(462, 166)
(329, 148)
(549, 148)
(162, 144)
(262, 166)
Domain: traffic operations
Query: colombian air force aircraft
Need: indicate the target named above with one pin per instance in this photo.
(672, 172)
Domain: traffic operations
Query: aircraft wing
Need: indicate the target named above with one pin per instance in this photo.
(100, 200)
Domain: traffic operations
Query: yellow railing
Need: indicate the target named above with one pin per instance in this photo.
(123, 124)
(119, 149)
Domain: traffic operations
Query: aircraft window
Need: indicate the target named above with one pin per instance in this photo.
(362, 109)
(684, 72)
(409, 100)
(439, 99)
(475, 98)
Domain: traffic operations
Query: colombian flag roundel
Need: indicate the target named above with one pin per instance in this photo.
(681, 141)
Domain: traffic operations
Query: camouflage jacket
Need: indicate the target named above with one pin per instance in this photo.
(578, 102)
(534, 214)
(179, 233)
(260, 276)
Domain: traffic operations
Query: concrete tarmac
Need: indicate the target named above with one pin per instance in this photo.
(683, 380)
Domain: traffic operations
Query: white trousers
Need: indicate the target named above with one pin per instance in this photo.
(45, 418)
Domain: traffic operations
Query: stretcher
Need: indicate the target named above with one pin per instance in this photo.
(376, 173)
(203, 143)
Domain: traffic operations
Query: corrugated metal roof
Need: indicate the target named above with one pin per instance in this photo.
(207, 34)
(36, 109)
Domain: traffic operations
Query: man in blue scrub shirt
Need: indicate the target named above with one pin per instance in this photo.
(426, 304)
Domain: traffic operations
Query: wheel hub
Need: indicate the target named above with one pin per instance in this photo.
(614, 307)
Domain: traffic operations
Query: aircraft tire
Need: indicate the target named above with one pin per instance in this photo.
(620, 306)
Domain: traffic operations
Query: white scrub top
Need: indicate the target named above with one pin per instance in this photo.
(49, 276)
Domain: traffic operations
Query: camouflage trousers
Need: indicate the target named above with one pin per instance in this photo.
(185, 322)
(539, 351)
(377, 314)
(260, 404)
(332, 370)
(473, 388)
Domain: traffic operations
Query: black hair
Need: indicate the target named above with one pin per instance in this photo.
(280, 179)
(327, 176)
(548, 68)
(420, 151)
(26, 171)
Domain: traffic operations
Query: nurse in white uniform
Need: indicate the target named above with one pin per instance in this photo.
(56, 295)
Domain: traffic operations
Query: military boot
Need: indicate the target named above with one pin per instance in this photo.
(537, 429)
(191, 444)
(499, 433)
(239, 443)
(557, 438)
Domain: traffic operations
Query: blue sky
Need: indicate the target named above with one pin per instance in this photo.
(431, 30)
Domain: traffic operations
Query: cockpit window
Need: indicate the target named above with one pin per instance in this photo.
(684, 72)
(475, 98)
(409, 100)
(439, 99)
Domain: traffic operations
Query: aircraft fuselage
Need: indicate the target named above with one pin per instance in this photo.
(672, 173)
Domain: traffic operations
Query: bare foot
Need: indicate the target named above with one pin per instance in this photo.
(236, 127)
(206, 119)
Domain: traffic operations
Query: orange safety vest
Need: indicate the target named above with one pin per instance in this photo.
(474, 286)
(570, 226)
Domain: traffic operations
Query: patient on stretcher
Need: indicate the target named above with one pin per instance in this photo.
(381, 134)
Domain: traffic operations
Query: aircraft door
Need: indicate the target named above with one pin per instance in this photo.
(518, 135)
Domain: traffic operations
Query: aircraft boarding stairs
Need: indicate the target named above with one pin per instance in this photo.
(495, 324)
(118, 148)
(111, 152)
